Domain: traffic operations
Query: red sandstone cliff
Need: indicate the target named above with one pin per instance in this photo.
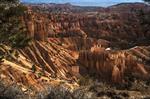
(109, 44)
(64, 44)
(92, 34)
(111, 25)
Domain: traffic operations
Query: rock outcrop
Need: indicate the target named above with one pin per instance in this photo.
(110, 24)
(91, 38)
(108, 44)
(111, 65)
(37, 64)
(36, 25)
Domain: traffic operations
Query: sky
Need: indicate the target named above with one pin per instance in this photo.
(103, 3)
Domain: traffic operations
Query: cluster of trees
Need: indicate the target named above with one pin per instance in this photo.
(12, 31)
(10, 1)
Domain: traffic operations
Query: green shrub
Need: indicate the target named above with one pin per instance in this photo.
(19, 40)
(85, 80)
(10, 1)
(12, 30)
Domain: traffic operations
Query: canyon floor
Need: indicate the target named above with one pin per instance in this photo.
(80, 53)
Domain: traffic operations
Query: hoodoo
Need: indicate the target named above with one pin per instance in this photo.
(62, 51)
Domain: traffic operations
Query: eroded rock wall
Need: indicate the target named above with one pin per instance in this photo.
(113, 25)
(111, 65)
(36, 26)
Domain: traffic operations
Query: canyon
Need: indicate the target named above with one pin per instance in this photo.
(92, 31)
(69, 42)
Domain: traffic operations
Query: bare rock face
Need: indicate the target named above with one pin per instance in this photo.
(111, 65)
(102, 42)
(111, 24)
(91, 38)
(36, 26)
(38, 64)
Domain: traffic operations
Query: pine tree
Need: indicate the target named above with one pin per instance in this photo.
(12, 31)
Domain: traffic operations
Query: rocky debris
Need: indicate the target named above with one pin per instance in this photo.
(104, 91)
(94, 90)
(10, 90)
(36, 65)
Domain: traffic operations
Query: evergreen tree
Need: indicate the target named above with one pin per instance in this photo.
(9, 1)
(12, 31)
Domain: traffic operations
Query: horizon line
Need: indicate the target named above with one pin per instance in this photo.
(77, 4)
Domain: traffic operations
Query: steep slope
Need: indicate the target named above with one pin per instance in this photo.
(114, 65)
(98, 31)
(39, 63)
